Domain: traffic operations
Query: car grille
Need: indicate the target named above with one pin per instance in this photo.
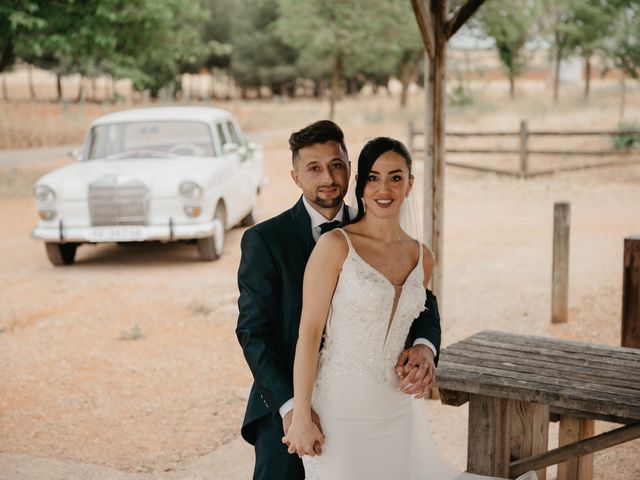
(116, 200)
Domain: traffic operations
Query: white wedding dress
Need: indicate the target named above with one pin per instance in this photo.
(372, 431)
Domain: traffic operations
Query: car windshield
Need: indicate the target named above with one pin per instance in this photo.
(150, 139)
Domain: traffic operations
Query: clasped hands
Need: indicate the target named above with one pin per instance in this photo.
(303, 434)
(417, 372)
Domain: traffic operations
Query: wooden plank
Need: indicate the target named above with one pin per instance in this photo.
(435, 150)
(488, 436)
(563, 387)
(589, 133)
(423, 17)
(572, 430)
(577, 153)
(569, 347)
(453, 398)
(583, 447)
(528, 431)
(512, 362)
(483, 134)
(631, 293)
(560, 268)
(556, 412)
(483, 150)
(482, 169)
(627, 367)
(614, 163)
(553, 395)
(601, 364)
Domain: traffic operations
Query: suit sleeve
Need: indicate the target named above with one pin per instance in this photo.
(259, 283)
(427, 325)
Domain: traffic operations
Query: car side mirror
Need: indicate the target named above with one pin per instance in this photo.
(230, 147)
(74, 154)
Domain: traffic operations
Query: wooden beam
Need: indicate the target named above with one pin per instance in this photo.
(461, 16)
(578, 449)
(423, 17)
(631, 293)
(574, 429)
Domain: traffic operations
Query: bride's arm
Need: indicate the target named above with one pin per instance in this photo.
(320, 279)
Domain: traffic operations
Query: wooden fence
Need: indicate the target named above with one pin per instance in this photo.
(524, 152)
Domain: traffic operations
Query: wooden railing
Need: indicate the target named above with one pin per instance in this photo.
(524, 152)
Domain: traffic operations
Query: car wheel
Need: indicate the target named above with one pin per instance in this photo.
(61, 253)
(210, 248)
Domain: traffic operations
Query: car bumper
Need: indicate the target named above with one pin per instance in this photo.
(125, 233)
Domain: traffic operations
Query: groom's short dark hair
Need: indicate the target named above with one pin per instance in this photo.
(318, 132)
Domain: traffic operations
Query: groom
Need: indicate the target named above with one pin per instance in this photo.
(274, 256)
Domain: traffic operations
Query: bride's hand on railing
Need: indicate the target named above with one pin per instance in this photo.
(304, 436)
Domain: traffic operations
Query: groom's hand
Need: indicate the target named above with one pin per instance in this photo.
(417, 370)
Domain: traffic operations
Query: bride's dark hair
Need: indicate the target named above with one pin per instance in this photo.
(368, 156)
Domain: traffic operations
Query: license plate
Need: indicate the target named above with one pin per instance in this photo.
(117, 234)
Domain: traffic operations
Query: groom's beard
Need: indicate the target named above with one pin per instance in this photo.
(331, 202)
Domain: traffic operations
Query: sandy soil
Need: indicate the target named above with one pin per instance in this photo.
(74, 387)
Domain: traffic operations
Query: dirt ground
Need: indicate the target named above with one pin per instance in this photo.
(75, 386)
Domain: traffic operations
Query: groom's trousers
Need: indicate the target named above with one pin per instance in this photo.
(273, 462)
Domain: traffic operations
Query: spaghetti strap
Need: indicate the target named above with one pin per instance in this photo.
(420, 259)
(346, 236)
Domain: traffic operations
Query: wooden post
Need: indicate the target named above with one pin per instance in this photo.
(488, 444)
(524, 149)
(528, 431)
(631, 293)
(434, 162)
(560, 273)
(572, 430)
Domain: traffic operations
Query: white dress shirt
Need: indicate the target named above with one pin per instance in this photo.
(316, 220)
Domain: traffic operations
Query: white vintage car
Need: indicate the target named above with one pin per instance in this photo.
(148, 174)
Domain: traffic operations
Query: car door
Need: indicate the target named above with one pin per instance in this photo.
(252, 159)
(243, 191)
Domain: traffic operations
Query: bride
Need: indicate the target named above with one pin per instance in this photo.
(368, 277)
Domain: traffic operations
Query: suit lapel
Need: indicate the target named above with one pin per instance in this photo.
(303, 224)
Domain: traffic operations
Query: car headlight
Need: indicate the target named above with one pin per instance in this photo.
(47, 215)
(190, 190)
(45, 194)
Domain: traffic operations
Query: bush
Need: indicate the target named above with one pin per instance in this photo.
(626, 141)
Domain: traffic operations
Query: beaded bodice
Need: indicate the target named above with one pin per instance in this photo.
(369, 320)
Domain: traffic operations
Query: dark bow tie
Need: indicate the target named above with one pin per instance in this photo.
(328, 226)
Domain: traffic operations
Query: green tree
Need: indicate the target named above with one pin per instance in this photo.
(407, 49)
(334, 36)
(260, 57)
(511, 24)
(623, 47)
(18, 20)
(576, 26)
(594, 20)
(148, 41)
(557, 23)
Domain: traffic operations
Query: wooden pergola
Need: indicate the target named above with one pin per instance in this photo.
(436, 28)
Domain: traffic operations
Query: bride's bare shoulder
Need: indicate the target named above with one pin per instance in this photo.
(428, 262)
(332, 245)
